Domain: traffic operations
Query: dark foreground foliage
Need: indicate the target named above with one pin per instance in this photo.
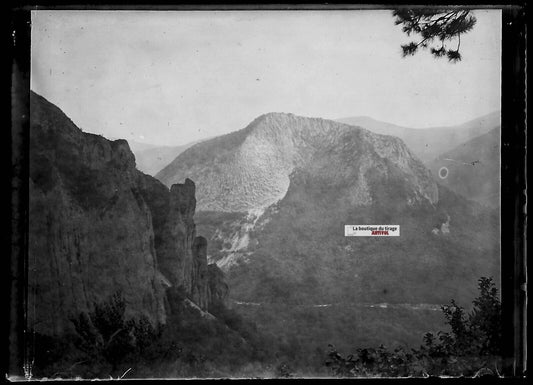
(106, 344)
(472, 348)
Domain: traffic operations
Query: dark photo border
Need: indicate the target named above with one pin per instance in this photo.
(514, 173)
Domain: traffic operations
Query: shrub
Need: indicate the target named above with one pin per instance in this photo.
(472, 347)
(104, 333)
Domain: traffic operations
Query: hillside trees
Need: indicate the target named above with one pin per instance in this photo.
(472, 346)
(105, 342)
(105, 333)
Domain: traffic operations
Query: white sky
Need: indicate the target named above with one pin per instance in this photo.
(174, 77)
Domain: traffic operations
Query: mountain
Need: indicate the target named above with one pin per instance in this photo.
(472, 169)
(428, 143)
(98, 226)
(273, 199)
(250, 169)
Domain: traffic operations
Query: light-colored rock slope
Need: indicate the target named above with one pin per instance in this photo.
(250, 169)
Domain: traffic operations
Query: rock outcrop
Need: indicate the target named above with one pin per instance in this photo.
(218, 289)
(98, 226)
(181, 212)
(198, 273)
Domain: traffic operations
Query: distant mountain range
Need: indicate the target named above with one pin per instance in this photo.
(429, 143)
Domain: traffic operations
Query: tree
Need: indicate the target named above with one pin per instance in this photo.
(472, 348)
(485, 318)
(480, 332)
(474, 343)
(444, 26)
(105, 333)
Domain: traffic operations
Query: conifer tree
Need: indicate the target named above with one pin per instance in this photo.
(437, 29)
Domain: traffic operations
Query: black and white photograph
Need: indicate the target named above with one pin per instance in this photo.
(264, 193)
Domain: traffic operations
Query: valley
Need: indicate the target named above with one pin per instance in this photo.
(285, 255)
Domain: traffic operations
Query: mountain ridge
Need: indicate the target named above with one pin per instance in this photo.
(490, 117)
(250, 168)
(428, 143)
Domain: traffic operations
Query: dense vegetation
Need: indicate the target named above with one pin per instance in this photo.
(105, 344)
(301, 256)
(471, 348)
(308, 330)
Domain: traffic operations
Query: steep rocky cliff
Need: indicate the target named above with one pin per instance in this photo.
(181, 255)
(97, 226)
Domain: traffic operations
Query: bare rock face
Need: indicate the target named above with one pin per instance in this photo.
(98, 226)
(90, 231)
(218, 289)
(183, 232)
(182, 257)
(250, 169)
(198, 273)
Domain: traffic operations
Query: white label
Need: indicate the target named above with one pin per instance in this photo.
(372, 230)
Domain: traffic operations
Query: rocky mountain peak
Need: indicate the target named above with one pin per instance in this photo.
(183, 197)
(122, 154)
(253, 167)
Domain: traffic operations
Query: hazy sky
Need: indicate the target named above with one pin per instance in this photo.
(175, 77)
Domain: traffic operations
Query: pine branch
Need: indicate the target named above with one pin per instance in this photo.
(430, 24)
